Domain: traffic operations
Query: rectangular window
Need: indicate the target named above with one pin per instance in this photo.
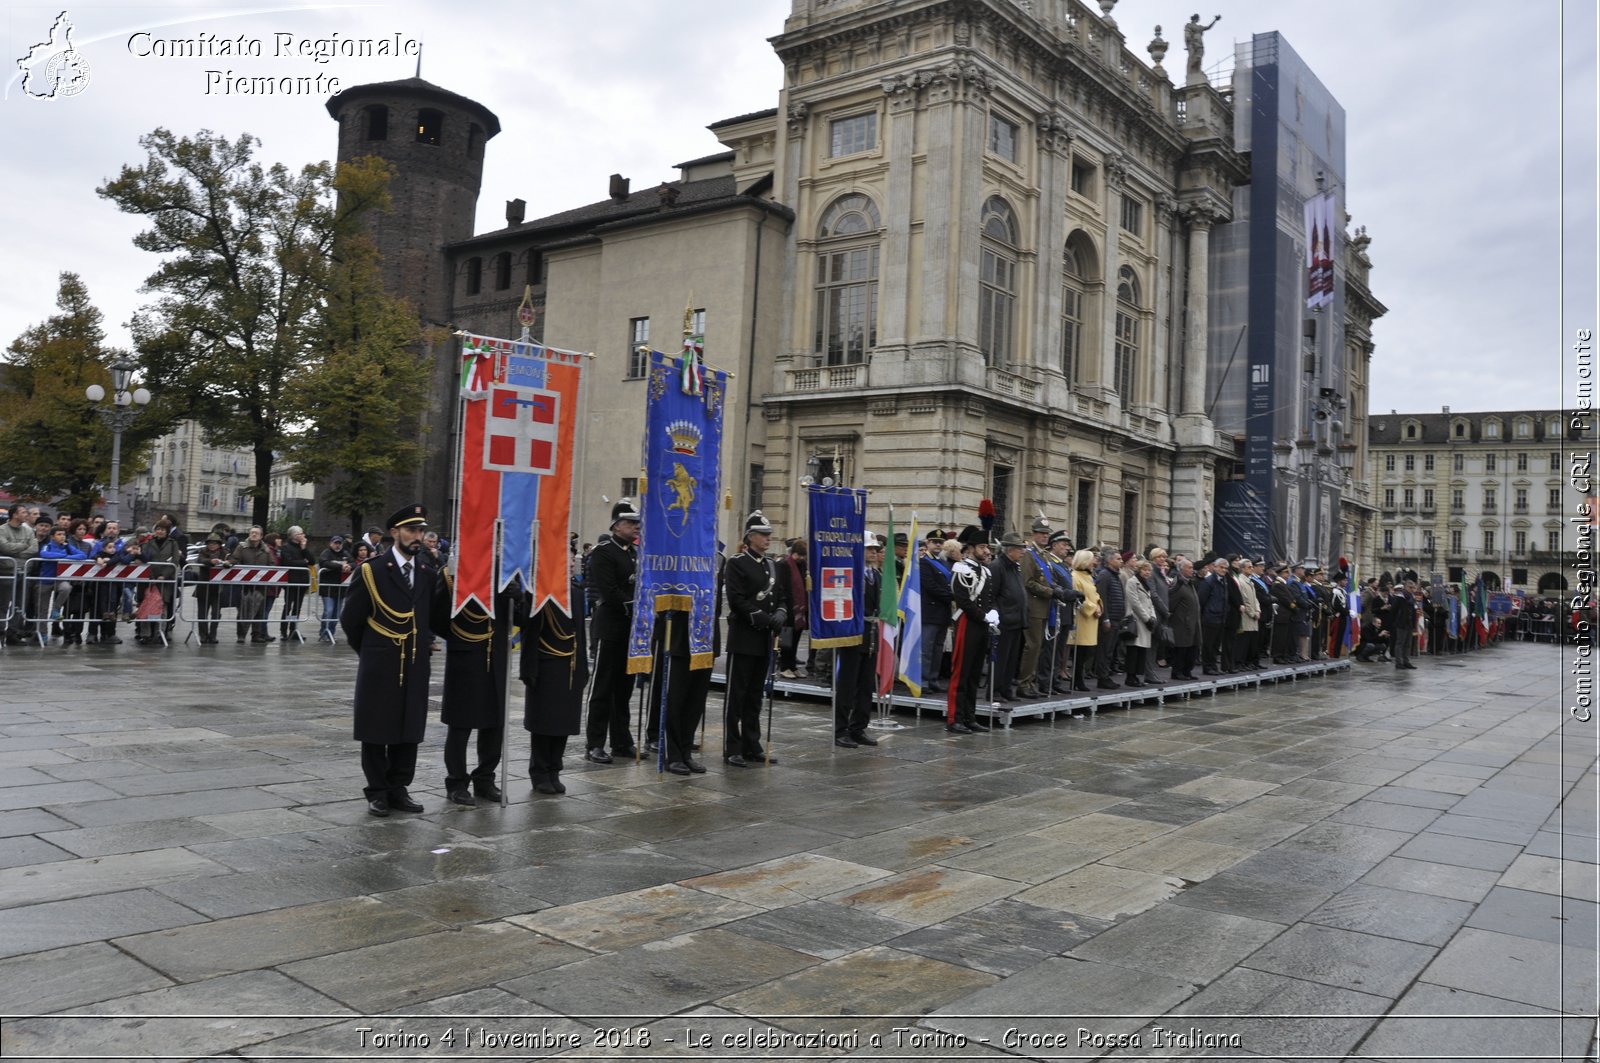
(1411, 463)
(1133, 215)
(1002, 138)
(502, 271)
(1125, 352)
(996, 304)
(638, 347)
(1521, 546)
(1554, 504)
(1410, 497)
(1071, 332)
(1388, 498)
(697, 323)
(1555, 461)
(1460, 462)
(1130, 517)
(1083, 177)
(758, 475)
(1427, 463)
(1488, 500)
(1522, 463)
(1488, 463)
(1388, 463)
(1488, 540)
(847, 305)
(1458, 500)
(1455, 541)
(1084, 514)
(847, 136)
(630, 487)
(1522, 500)
(1388, 540)
(1552, 541)
(1427, 498)
(535, 267)
(1000, 494)
(474, 276)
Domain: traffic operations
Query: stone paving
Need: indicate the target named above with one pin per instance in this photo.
(1316, 871)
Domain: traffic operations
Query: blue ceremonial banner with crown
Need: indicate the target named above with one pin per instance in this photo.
(678, 506)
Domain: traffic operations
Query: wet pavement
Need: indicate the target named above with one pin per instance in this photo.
(1315, 870)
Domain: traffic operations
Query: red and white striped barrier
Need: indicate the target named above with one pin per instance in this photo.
(253, 574)
(90, 570)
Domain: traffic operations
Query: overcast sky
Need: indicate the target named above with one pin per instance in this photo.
(1454, 128)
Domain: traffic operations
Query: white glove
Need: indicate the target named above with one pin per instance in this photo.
(992, 618)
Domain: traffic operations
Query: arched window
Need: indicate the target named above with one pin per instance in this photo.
(1125, 350)
(997, 282)
(377, 122)
(430, 126)
(847, 280)
(1072, 274)
(502, 271)
(474, 276)
(474, 140)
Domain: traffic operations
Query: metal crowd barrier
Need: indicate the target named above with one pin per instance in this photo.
(59, 598)
(331, 596)
(10, 585)
(250, 591)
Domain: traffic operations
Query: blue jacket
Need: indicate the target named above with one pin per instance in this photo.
(1213, 591)
(58, 552)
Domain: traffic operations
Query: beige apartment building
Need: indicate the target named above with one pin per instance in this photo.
(1462, 493)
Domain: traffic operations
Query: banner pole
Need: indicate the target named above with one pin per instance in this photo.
(666, 690)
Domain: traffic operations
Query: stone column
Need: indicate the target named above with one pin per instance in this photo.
(895, 262)
(795, 344)
(966, 209)
(1196, 336)
(938, 211)
(1116, 173)
(1161, 390)
(1055, 142)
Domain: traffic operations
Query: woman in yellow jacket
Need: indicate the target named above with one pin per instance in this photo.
(1086, 631)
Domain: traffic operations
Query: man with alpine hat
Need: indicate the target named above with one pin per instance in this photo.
(613, 572)
(387, 620)
(757, 609)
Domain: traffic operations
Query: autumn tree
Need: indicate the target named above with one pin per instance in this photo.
(248, 259)
(365, 392)
(55, 446)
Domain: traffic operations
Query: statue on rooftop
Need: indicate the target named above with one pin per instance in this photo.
(1194, 40)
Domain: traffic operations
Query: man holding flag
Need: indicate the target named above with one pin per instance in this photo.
(859, 671)
(757, 608)
(911, 656)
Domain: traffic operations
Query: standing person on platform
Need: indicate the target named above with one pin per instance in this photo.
(792, 570)
(1011, 601)
(1249, 615)
(1068, 599)
(936, 604)
(1183, 603)
(1160, 585)
(1085, 637)
(476, 664)
(977, 621)
(757, 609)
(554, 670)
(1136, 591)
(388, 621)
(1113, 605)
(1038, 580)
(613, 573)
(858, 672)
(1213, 592)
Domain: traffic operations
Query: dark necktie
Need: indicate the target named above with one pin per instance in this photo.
(405, 570)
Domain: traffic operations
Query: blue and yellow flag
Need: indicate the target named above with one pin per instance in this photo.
(678, 508)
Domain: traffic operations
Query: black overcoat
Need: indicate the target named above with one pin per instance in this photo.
(1183, 605)
(476, 661)
(390, 626)
(754, 592)
(613, 569)
(554, 666)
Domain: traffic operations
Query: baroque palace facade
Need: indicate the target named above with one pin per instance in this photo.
(966, 256)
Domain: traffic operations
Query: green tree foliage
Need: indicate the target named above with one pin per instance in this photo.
(55, 446)
(362, 398)
(247, 256)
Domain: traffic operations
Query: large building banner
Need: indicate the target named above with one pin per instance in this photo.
(518, 428)
(1320, 235)
(678, 504)
(837, 564)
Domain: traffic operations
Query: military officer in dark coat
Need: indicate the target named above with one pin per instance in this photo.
(554, 670)
(613, 572)
(387, 619)
(757, 609)
(476, 663)
(687, 688)
(858, 665)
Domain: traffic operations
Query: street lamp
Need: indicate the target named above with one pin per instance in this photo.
(125, 407)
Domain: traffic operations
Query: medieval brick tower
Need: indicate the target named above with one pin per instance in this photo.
(434, 140)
